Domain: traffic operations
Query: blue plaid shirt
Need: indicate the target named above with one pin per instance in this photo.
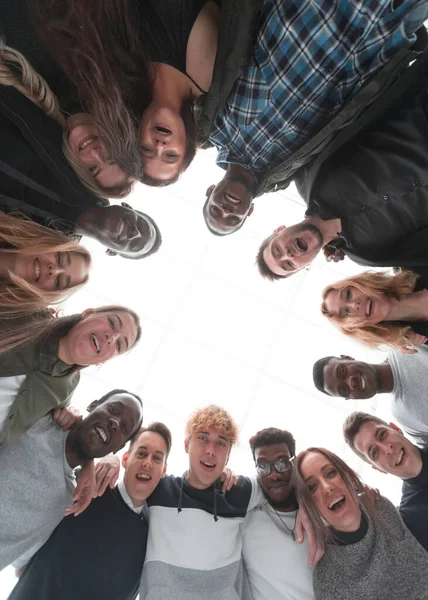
(311, 56)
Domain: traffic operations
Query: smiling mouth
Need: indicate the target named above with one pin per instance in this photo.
(301, 245)
(208, 465)
(338, 503)
(102, 434)
(400, 458)
(37, 269)
(232, 199)
(121, 228)
(87, 142)
(368, 307)
(363, 383)
(96, 343)
(143, 477)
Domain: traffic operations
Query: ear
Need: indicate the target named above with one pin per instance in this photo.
(92, 406)
(377, 469)
(345, 357)
(164, 471)
(394, 426)
(186, 446)
(87, 312)
(125, 459)
(278, 229)
(250, 212)
(110, 252)
(209, 191)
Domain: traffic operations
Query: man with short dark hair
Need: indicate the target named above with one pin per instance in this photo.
(387, 450)
(276, 564)
(36, 472)
(401, 375)
(101, 553)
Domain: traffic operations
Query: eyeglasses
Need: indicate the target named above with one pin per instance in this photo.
(281, 466)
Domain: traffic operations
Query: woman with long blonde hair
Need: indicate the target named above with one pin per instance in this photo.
(82, 146)
(380, 309)
(39, 267)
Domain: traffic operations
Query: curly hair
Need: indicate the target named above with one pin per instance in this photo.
(270, 436)
(377, 284)
(215, 417)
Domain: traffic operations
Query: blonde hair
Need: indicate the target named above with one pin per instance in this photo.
(215, 417)
(378, 284)
(21, 236)
(32, 85)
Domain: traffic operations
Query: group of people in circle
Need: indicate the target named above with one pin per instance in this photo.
(98, 96)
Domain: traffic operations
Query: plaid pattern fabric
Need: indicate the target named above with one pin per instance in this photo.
(311, 56)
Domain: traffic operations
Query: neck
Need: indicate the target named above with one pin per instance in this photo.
(412, 307)
(88, 222)
(416, 465)
(7, 263)
(288, 505)
(385, 378)
(329, 229)
(63, 352)
(136, 502)
(73, 457)
(171, 87)
(235, 171)
(195, 483)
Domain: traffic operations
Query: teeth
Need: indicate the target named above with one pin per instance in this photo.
(368, 307)
(122, 225)
(207, 464)
(143, 477)
(333, 504)
(101, 433)
(82, 146)
(363, 383)
(37, 268)
(232, 199)
(400, 458)
(96, 342)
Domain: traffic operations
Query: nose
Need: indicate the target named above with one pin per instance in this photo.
(210, 449)
(55, 269)
(114, 424)
(388, 449)
(132, 232)
(147, 462)
(160, 142)
(356, 305)
(96, 155)
(112, 336)
(327, 487)
(352, 382)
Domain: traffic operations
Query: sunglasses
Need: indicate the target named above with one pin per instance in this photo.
(281, 466)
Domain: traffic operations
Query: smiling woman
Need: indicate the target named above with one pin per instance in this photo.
(38, 266)
(362, 537)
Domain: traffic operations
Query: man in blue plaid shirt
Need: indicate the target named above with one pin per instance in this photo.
(310, 58)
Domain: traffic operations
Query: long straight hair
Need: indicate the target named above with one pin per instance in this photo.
(377, 284)
(323, 532)
(44, 325)
(21, 236)
(31, 85)
(98, 45)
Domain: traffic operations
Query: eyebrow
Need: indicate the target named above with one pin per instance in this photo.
(140, 447)
(120, 327)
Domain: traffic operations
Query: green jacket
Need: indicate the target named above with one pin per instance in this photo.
(49, 384)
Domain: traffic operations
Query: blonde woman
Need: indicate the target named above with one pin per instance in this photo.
(40, 128)
(380, 309)
(38, 267)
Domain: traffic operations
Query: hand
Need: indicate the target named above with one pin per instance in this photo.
(372, 494)
(229, 479)
(303, 525)
(106, 474)
(415, 340)
(333, 254)
(66, 417)
(84, 491)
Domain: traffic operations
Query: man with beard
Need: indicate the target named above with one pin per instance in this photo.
(402, 375)
(106, 545)
(36, 473)
(276, 564)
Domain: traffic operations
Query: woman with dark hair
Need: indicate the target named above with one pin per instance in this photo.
(38, 267)
(369, 552)
(40, 362)
(380, 309)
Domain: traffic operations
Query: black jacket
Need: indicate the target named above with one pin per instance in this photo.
(238, 30)
(31, 147)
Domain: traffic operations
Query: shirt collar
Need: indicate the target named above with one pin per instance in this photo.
(126, 498)
(49, 358)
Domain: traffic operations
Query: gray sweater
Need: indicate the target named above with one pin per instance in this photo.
(387, 564)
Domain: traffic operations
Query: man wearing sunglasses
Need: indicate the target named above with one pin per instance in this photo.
(276, 564)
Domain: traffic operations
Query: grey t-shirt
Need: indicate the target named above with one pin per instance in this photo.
(36, 485)
(409, 403)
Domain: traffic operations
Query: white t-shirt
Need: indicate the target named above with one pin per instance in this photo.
(277, 567)
(409, 401)
(9, 387)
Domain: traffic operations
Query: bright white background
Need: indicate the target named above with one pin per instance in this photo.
(215, 331)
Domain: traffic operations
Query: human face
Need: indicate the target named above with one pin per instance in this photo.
(276, 486)
(388, 449)
(208, 452)
(98, 337)
(124, 231)
(109, 425)
(53, 271)
(89, 149)
(162, 141)
(351, 379)
(145, 465)
(229, 204)
(293, 248)
(332, 498)
(351, 303)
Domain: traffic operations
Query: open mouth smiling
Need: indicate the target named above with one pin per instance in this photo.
(96, 343)
(337, 503)
(86, 142)
(232, 199)
(369, 307)
(102, 434)
(400, 457)
(143, 477)
(301, 245)
(208, 465)
(36, 269)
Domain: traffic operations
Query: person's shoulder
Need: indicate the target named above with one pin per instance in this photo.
(166, 493)
(240, 494)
